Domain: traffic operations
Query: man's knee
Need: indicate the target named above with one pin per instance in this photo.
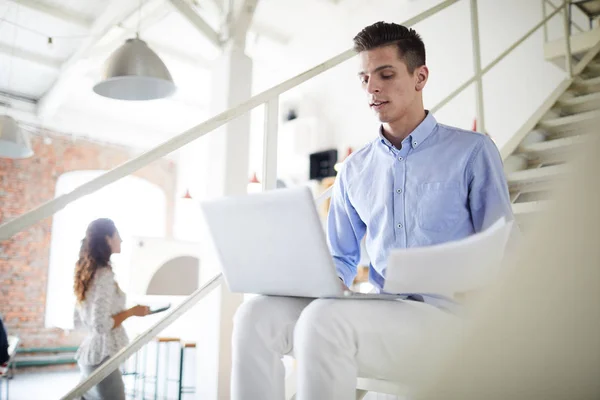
(323, 324)
(264, 319)
(253, 313)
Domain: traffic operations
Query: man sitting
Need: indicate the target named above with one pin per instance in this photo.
(418, 183)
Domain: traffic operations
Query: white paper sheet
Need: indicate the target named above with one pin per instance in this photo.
(449, 268)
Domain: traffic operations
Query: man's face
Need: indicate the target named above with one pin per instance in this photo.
(390, 88)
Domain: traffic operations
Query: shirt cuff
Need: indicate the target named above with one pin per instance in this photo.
(345, 273)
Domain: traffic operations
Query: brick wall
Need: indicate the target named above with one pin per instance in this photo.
(24, 259)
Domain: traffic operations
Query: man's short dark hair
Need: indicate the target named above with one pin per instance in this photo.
(410, 45)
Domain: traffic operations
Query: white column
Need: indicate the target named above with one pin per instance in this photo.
(477, 66)
(270, 144)
(227, 167)
(229, 145)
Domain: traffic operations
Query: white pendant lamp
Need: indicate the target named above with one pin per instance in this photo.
(135, 72)
(14, 142)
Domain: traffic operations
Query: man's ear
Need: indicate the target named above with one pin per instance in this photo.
(422, 74)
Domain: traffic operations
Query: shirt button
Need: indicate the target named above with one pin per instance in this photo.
(400, 158)
(415, 143)
(398, 191)
(399, 226)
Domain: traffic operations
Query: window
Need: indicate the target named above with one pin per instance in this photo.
(137, 207)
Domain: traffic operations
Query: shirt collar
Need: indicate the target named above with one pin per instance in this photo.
(416, 137)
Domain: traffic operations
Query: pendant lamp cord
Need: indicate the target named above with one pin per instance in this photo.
(139, 24)
(12, 51)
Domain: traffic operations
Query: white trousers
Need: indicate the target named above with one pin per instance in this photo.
(333, 341)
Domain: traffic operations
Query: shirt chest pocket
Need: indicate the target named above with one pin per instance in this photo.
(441, 205)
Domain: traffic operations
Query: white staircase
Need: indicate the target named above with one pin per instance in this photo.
(543, 155)
(535, 157)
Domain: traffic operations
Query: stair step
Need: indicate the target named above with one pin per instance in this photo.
(44, 360)
(575, 124)
(536, 179)
(551, 151)
(587, 85)
(531, 207)
(580, 104)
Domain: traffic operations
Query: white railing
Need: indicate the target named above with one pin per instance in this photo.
(555, 7)
(270, 98)
(492, 64)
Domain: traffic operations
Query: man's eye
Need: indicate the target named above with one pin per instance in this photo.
(387, 76)
(364, 81)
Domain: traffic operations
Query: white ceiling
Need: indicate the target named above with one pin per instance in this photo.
(85, 32)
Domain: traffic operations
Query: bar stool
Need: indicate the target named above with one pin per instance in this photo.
(154, 378)
(185, 389)
(126, 371)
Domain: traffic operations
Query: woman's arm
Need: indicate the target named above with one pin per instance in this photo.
(137, 311)
(120, 317)
(100, 298)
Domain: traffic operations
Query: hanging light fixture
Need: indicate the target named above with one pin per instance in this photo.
(14, 142)
(135, 72)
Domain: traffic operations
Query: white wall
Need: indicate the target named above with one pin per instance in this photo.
(146, 260)
(512, 90)
(149, 254)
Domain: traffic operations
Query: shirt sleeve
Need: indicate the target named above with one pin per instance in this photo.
(345, 230)
(100, 300)
(488, 191)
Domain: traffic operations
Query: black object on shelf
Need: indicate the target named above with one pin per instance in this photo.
(322, 164)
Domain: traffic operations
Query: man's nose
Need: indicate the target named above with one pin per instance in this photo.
(373, 87)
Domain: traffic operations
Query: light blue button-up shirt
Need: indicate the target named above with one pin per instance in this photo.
(444, 184)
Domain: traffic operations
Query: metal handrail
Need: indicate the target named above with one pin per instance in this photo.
(113, 363)
(10, 228)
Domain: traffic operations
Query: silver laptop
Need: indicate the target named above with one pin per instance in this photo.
(273, 243)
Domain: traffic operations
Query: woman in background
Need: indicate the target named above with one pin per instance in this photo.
(101, 308)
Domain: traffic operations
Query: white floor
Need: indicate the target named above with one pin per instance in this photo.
(53, 385)
(44, 385)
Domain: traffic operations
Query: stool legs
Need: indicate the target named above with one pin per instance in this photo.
(184, 389)
(156, 371)
(145, 357)
(180, 391)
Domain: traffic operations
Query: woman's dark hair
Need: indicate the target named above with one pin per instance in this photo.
(411, 48)
(95, 253)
